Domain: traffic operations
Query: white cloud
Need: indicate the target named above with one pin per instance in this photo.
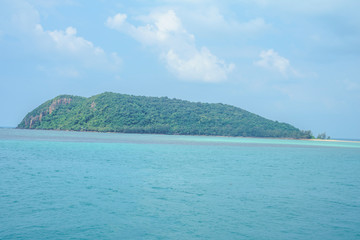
(186, 1)
(314, 6)
(254, 25)
(26, 27)
(203, 65)
(67, 43)
(209, 18)
(165, 32)
(161, 29)
(18, 16)
(273, 61)
(117, 21)
(351, 85)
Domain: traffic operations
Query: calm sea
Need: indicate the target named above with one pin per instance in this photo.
(82, 185)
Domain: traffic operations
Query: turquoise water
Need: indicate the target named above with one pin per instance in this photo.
(71, 185)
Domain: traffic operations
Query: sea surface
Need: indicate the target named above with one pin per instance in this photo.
(85, 185)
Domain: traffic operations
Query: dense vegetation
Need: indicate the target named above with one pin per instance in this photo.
(112, 112)
(323, 136)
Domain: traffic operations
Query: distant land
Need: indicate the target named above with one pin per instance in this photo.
(114, 112)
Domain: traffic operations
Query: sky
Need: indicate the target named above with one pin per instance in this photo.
(290, 61)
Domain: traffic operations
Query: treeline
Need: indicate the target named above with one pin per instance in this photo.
(112, 112)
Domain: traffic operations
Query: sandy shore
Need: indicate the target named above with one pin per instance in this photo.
(331, 140)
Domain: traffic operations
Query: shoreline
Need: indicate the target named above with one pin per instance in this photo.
(303, 139)
(164, 134)
(332, 140)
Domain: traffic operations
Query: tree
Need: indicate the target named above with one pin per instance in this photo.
(321, 136)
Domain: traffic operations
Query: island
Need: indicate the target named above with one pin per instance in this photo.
(115, 112)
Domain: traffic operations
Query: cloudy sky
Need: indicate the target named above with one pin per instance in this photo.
(292, 61)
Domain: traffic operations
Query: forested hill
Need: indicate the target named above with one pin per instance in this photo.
(113, 112)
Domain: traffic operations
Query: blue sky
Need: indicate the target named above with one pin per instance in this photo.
(290, 61)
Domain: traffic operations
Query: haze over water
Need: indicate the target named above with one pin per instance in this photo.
(81, 185)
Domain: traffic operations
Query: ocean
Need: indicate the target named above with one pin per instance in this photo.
(87, 185)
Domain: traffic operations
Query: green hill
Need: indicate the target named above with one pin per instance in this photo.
(113, 112)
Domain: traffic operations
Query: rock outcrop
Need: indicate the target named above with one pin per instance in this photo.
(32, 120)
